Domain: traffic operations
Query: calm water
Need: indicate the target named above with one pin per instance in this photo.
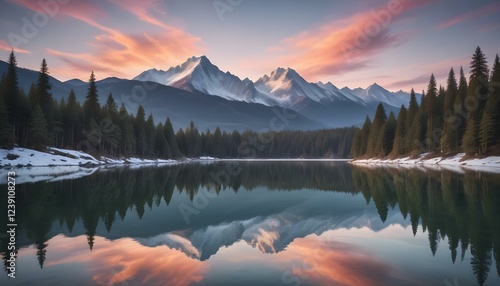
(256, 223)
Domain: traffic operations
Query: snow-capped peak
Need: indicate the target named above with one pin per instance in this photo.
(283, 86)
(198, 73)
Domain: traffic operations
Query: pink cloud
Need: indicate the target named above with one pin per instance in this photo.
(123, 55)
(114, 53)
(142, 10)
(7, 47)
(347, 44)
(335, 263)
(124, 261)
(86, 11)
(481, 12)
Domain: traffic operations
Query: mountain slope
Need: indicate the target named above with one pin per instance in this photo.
(207, 112)
(199, 74)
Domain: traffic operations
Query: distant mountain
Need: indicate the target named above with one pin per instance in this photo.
(283, 87)
(376, 93)
(182, 106)
(199, 91)
(289, 89)
(199, 74)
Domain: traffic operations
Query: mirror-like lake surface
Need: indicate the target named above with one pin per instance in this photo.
(259, 223)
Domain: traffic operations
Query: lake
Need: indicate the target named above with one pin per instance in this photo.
(259, 223)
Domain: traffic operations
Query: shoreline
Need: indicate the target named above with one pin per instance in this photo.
(456, 163)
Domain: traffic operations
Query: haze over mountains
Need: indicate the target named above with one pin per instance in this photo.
(199, 91)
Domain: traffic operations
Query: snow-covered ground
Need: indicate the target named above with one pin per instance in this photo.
(455, 163)
(60, 164)
(23, 157)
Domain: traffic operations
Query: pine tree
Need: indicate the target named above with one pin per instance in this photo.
(127, 138)
(477, 92)
(449, 139)
(140, 132)
(171, 140)
(72, 120)
(356, 144)
(5, 128)
(10, 97)
(470, 142)
(451, 91)
(432, 138)
(150, 132)
(410, 117)
(365, 133)
(378, 121)
(162, 149)
(91, 105)
(459, 108)
(416, 134)
(489, 131)
(44, 95)
(39, 135)
(399, 141)
(385, 139)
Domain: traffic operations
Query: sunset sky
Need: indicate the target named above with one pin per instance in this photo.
(396, 43)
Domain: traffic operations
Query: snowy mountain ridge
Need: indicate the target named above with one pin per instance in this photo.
(283, 87)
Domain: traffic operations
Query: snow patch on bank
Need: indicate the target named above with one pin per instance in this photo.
(455, 163)
(57, 164)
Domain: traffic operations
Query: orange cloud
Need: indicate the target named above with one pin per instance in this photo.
(347, 44)
(114, 53)
(126, 261)
(142, 9)
(85, 11)
(334, 263)
(117, 54)
(481, 12)
(7, 47)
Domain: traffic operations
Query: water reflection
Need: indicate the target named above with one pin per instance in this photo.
(131, 218)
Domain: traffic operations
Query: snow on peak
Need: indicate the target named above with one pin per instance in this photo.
(283, 86)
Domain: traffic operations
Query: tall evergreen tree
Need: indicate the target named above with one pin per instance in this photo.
(10, 97)
(378, 121)
(365, 133)
(449, 139)
(433, 109)
(171, 140)
(470, 141)
(150, 132)
(451, 90)
(399, 141)
(140, 132)
(385, 140)
(477, 92)
(44, 95)
(91, 105)
(38, 129)
(490, 122)
(459, 107)
(410, 117)
(72, 120)
(162, 149)
(356, 144)
(5, 128)
(127, 138)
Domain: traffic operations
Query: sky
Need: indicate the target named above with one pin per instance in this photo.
(395, 43)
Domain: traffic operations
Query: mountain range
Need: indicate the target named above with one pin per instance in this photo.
(199, 91)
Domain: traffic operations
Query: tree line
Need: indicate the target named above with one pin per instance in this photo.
(36, 120)
(463, 117)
